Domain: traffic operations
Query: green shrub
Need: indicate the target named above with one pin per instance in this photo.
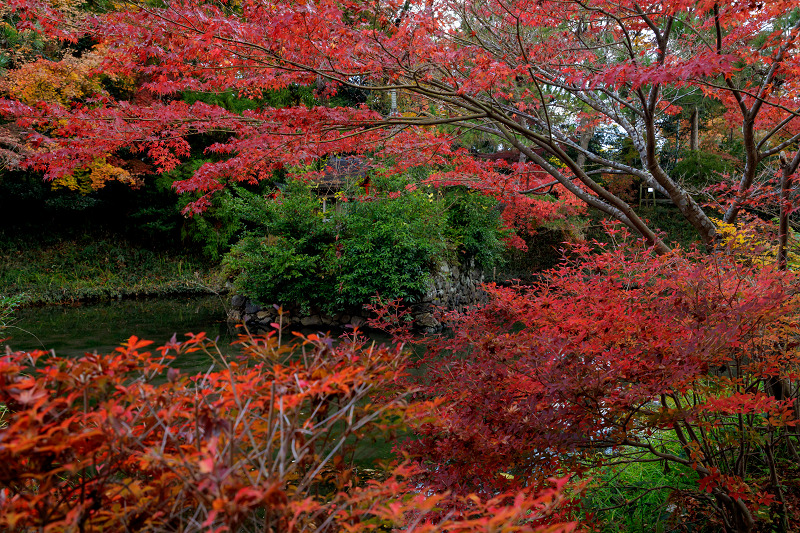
(386, 242)
(474, 226)
(272, 269)
(389, 247)
(701, 168)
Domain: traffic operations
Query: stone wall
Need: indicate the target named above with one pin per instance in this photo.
(453, 286)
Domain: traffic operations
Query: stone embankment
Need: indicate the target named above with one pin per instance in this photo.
(452, 286)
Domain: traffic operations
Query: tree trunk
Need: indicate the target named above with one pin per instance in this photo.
(586, 136)
(788, 168)
(694, 140)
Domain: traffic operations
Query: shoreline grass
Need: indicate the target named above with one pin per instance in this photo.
(100, 267)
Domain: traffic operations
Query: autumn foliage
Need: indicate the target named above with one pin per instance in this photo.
(261, 442)
(621, 356)
(624, 353)
(538, 77)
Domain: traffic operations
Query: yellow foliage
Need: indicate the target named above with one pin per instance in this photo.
(66, 5)
(60, 82)
(94, 177)
(753, 245)
(556, 162)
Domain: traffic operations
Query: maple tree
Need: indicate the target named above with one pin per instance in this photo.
(49, 69)
(621, 357)
(535, 74)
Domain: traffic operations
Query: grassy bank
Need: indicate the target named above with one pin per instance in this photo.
(98, 267)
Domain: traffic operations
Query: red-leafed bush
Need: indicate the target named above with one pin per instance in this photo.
(623, 356)
(260, 442)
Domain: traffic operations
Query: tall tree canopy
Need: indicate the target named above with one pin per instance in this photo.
(536, 74)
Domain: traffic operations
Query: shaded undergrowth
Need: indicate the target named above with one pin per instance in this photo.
(98, 267)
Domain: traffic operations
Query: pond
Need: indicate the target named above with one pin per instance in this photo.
(72, 330)
(75, 329)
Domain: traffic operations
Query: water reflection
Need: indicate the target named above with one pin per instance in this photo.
(75, 330)
(101, 327)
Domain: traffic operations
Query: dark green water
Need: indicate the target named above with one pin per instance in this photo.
(101, 327)
(73, 330)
